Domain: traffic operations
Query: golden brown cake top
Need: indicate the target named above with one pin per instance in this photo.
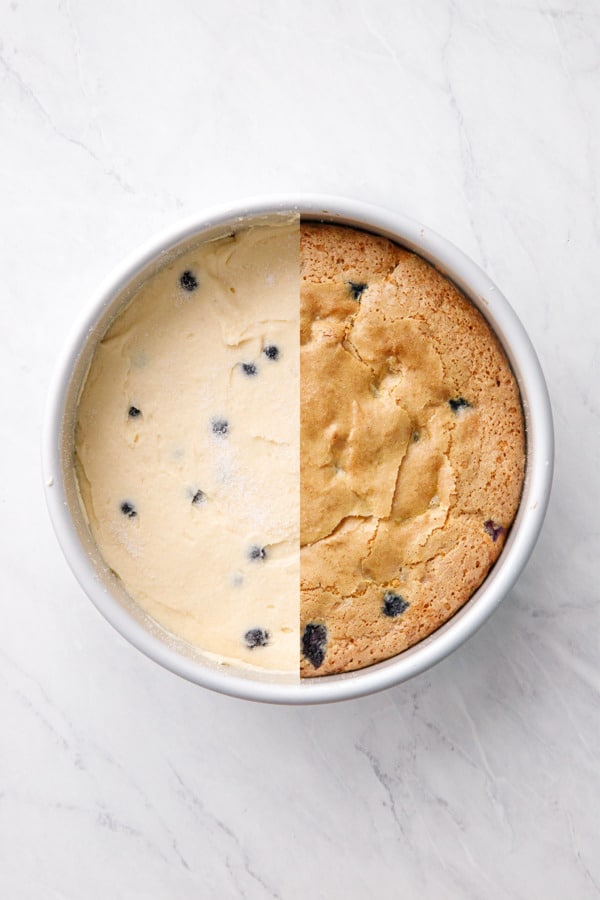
(412, 442)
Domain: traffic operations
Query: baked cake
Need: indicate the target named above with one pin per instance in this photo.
(412, 449)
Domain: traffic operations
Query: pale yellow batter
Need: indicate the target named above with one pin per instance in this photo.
(187, 447)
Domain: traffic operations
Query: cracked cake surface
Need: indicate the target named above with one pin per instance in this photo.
(412, 449)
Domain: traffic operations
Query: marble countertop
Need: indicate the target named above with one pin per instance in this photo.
(478, 779)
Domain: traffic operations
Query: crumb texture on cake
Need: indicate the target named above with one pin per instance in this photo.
(412, 449)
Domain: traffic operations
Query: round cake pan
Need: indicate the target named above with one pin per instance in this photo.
(105, 590)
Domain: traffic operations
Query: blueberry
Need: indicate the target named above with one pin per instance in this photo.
(493, 530)
(220, 427)
(249, 369)
(128, 509)
(356, 289)
(188, 281)
(458, 403)
(271, 352)
(199, 497)
(256, 552)
(394, 604)
(257, 637)
(314, 644)
(134, 412)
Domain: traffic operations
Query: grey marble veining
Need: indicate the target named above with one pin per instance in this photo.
(479, 779)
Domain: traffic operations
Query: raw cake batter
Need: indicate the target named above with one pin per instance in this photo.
(187, 447)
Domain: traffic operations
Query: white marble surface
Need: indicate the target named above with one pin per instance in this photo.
(477, 780)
